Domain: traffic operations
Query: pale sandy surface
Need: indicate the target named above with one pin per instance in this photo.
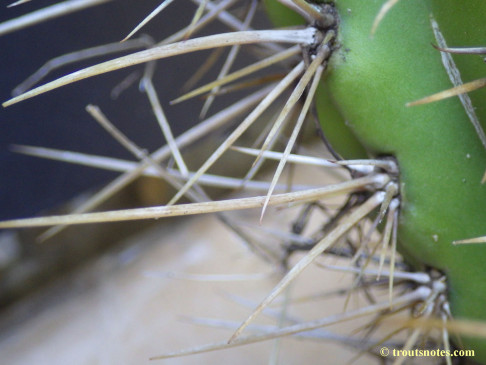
(121, 309)
(113, 313)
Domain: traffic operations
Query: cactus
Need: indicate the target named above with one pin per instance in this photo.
(438, 172)
(369, 67)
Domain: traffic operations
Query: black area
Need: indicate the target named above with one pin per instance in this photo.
(58, 119)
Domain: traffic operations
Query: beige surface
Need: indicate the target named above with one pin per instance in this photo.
(122, 308)
(112, 312)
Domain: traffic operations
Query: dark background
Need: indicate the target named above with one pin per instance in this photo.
(57, 119)
(32, 186)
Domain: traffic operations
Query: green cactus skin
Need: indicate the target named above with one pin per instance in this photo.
(441, 159)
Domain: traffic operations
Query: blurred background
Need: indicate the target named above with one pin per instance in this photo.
(58, 119)
(32, 186)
